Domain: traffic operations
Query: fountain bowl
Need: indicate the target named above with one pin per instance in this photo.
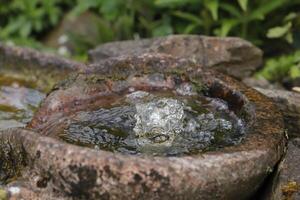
(42, 166)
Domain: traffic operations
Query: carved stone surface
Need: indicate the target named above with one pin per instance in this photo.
(45, 167)
(233, 56)
(289, 104)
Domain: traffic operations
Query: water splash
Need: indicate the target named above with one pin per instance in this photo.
(159, 120)
(157, 124)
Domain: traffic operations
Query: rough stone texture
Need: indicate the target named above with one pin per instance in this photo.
(291, 171)
(42, 69)
(289, 104)
(261, 83)
(18, 58)
(233, 56)
(26, 76)
(284, 184)
(63, 170)
(50, 167)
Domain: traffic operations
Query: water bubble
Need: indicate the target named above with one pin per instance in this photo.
(165, 115)
(186, 89)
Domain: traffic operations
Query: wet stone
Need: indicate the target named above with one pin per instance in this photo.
(18, 101)
(94, 110)
(157, 123)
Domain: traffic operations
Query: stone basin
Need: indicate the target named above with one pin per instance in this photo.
(40, 165)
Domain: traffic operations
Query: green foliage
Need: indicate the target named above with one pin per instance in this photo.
(283, 66)
(271, 24)
(24, 18)
(22, 21)
(285, 31)
(224, 18)
(243, 4)
(28, 16)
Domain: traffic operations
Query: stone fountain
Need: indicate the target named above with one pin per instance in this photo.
(143, 125)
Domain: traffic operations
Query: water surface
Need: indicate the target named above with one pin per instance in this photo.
(157, 123)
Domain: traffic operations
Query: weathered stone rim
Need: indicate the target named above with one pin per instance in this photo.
(234, 171)
(222, 86)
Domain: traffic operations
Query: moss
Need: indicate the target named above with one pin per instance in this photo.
(289, 189)
(9, 80)
(6, 108)
(3, 194)
(41, 79)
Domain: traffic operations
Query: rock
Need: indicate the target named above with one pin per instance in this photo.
(89, 29)
(289, 104)
(17, 105)
(261, 83)
(26, 75)
(234, 56)
(285, 184)
(17, 58)
(291, 83)
(296, 89)
(290, 174)
(291, 166)
(41, 69)
(54, 167)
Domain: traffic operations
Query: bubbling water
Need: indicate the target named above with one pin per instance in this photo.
(159, 120)
(157, 123)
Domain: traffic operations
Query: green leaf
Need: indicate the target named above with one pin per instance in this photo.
(297, 57)
(146, 24)
(226, 26)
(231, 9)
(188, 16)
(82, 6)
(278, 68)
(265, 8)
(290, 17)
(25, 29)
(14, 26)
(289, 37)
(162, 30)
(173, 3)
(243, 4)
(190, 28)
(279, 31)
(213, 6)
(111, 8)
(295, 71)
(54, 17)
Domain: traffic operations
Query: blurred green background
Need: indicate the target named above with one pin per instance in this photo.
(70, 27)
